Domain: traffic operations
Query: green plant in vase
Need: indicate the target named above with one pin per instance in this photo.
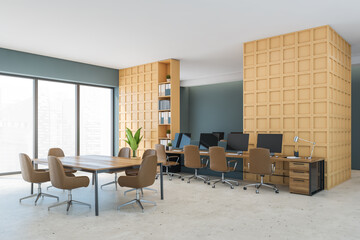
(133, 140)
(168, 78)
(169, 146)
(168, 135)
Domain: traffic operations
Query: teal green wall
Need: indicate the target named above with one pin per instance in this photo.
(355, 116)
(214, 108)
(37, 66)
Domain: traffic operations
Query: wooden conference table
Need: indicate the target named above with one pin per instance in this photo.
(100, 164)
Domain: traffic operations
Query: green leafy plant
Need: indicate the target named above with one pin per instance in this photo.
(169, 144)
(133, 140)
(168, 131)
(168, 76)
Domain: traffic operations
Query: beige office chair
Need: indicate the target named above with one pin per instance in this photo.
(260, 163)
(144, 178)
(58, 152)
(192, 160)
(60, 180)
(135, 171)
(219, 163)
(33, 176)
(162, 157)
(124, 152)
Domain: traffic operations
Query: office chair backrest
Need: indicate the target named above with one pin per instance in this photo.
(57, 173)
(260, 162)
(27, 170)
(149, 152)
(160, 152)
(125, 152)
(192, 156)
(147, 171)
(218, 159)
(56, 152)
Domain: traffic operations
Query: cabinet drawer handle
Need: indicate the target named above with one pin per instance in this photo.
(298, 171)
(302, 164)
(298, 180)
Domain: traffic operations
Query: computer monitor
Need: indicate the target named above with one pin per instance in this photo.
(207, 140)
(237, 142)
(236, 132)
(273, 142)
(181, 140)
(220, 135)
(185, 140)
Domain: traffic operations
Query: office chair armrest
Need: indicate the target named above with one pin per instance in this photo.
(177, 158)
(233, 161)
(207, 161)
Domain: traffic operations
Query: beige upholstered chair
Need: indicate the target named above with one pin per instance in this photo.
(162, 157)
(192, 160)
(60, 180)
(219, 163)
(144, 178)
(58, 152)
(33, 176)
(124, 152)
(260, 163)
(135, 171)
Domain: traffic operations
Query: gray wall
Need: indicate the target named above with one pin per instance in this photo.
(212, 108)
(355, 116)
(36, 66)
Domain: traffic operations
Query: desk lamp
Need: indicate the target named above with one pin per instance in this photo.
(296, 139)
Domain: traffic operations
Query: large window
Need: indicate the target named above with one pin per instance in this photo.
(95, 120)
(56, 117)
(73, 117)
(16, 121)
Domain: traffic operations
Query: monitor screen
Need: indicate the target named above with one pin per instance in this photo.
(207, 140)
(220, 135)
(237, 142)
(181, 140)
(273, 142)
(185, 140)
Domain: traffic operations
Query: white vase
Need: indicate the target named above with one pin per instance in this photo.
(168, 79)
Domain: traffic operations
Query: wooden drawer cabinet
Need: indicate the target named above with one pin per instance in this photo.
(299, 166)
(299, 174)
(300, 186)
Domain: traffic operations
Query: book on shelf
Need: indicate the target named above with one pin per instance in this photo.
(164, 117)
(164, 89)
(164, 104)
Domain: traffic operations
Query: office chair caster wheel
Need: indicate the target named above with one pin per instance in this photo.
(179, 177)
(277, 191)
(257, 191)
(182, 179)
(213, 186)
(244, 188)
(208, 183)
(205, 182)
(232, 187)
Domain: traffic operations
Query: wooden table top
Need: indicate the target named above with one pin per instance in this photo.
(281, 158)
(94, 162)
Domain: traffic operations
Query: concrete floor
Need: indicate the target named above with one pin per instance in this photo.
(189, 211)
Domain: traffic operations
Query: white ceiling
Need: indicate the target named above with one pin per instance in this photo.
(206, 35)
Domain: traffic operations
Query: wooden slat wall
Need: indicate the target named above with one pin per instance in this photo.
(299, 84)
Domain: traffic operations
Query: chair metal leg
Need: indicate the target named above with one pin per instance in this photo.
(196, 176)
(137, 200)
(38, 195)
(49, 187)
(31, 196)
(150, 189)
(130, 190)
(224, 180)
(258, 185)
(69, 203)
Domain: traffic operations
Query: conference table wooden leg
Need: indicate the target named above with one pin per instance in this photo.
(161, 182)
(96, 194)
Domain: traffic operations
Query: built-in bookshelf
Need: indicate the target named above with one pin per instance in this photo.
(168, 100)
